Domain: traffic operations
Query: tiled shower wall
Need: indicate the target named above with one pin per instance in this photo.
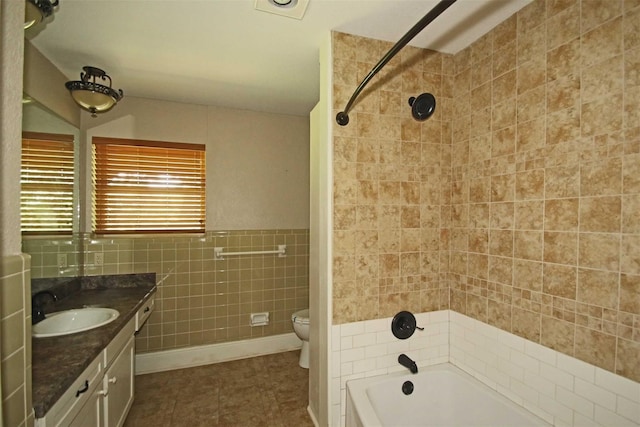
(201, 300)
(545, 192)
(389, 249)
(518, 202)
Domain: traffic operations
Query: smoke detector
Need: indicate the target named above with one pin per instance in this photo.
(289, 8)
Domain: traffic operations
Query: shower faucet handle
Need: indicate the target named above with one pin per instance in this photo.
(404, 325)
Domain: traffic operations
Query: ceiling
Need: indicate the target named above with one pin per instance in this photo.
(226, 53)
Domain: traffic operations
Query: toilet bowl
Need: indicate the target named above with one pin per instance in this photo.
(300, 321)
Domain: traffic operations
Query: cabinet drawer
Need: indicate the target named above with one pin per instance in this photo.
(118, 343)
(145, 311)
(76, 396)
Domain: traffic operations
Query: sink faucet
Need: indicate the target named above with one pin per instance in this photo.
(406, 361)
(37, 312)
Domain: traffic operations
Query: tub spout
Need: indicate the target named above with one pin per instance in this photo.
(406, 361)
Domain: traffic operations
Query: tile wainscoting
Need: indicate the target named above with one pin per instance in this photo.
(15, 333)
(560, 389)
(200, 300)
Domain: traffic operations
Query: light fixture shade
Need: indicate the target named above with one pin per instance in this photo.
(37, 10)
(91, 96)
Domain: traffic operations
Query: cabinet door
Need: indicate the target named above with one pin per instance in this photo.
(81, 400)
(89, 415)
(118, 381)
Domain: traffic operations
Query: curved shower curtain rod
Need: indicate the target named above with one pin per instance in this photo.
(342, 118)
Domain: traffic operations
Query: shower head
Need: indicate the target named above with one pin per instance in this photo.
(423, 106)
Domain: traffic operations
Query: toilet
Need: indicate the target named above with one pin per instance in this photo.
(300, 321)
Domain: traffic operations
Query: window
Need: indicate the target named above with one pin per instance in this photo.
(46, 180)
(148, 186)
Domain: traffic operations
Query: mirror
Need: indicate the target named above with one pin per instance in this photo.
(53, 255)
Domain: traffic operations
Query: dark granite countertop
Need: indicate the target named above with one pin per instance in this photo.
(58, 361)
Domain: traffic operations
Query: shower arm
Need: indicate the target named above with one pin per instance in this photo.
(342, 118)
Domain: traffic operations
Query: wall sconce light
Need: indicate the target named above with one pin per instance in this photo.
(91, 96)
(37, 10)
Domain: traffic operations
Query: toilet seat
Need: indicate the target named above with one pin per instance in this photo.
(301, 317)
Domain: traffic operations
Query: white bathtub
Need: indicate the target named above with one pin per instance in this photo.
(443, 396)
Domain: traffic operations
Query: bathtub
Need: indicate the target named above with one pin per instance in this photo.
(443, 395)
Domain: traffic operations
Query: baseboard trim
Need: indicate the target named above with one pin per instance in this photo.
(188, 357)
(313, 416)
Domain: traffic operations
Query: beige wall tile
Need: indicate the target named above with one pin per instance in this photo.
(526, 324)
(530, 185)
(501, 242)
(563, 26)
(628, 359)
(564, 60)
(557, 334)
(561, 247)
(502, 188)
(598, 288)
(560, 280)
(596, 12)
(14, 408)
(527, 275)
(601, 178)
(528, 245)
(595, 347)
(631, 214)
(600, 251)
(501, 270)
(561, 214)
(603, 42)
(505, 58)
(630, 293)
(602, 115)
(600, 214)
(602, 79)
(564, 93)
(631, 28)
(502, 215)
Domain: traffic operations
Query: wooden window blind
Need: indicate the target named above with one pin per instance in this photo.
(148, 186)
(46, 181)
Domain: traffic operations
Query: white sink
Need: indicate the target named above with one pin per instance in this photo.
(72, 321)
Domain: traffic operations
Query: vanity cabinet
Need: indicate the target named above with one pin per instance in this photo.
(102, 396)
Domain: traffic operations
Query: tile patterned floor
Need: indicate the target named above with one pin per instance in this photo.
(267, 390)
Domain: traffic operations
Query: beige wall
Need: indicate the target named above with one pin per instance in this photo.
(257, 163)
(531, 190)
(15, 310)
(320, 244)
(12, 43)
(45, 83)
